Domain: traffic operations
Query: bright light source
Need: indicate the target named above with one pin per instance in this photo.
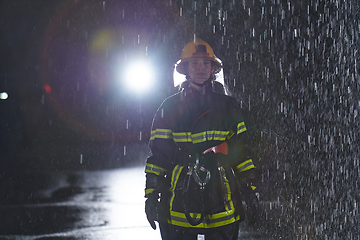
(3, 95)
(139, 76)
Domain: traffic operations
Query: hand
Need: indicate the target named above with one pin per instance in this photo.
(252, 212)
(151, 210)
(251, 197)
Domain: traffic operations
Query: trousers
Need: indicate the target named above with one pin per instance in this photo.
(229, 232)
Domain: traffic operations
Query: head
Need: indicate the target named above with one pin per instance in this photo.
(199, 70)
(198, 63)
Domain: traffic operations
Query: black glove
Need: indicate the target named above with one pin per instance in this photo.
(152, 195)
(252, 204)
(151, 210)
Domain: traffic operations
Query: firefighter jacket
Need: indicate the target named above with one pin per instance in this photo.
(199, 150)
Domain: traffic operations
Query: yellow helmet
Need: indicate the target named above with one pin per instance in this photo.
(195, 50)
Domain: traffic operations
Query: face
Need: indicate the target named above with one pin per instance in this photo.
(199, 70)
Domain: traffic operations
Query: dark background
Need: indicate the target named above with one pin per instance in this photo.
(77, 49)
(292, 64)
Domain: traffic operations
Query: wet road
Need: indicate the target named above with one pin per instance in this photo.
(104, 205)
(83, 205)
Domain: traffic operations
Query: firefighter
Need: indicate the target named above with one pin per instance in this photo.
(200, 168)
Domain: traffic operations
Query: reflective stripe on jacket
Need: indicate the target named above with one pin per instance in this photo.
(190, 122)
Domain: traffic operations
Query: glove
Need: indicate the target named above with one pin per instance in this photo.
(252, 204)
(152, 195)
(151, 210)
(252, 211)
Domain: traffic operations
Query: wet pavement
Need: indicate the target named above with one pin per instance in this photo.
(107, 205)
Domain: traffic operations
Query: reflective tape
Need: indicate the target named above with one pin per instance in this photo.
(151, 168)
(210, 221)
(230, 134)
(200, 137)
(174, 179)
(245, 166)
(161, 133)
(188, 137)
(241, 128)
(182, 137)
(149, 190)
(229, 204)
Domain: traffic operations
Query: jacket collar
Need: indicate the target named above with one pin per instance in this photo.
(190, 90)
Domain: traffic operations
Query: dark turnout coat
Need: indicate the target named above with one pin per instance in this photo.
(199, 150)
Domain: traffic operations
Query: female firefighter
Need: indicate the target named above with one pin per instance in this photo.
(201, 167)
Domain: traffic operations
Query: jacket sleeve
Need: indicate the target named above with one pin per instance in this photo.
(241, 148)
(163, 149)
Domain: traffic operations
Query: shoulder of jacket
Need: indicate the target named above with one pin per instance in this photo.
(232, 103)
(226, 98)
(170, 101)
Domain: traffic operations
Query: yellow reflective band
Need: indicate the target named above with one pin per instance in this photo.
(210, 221)
(253, 187)
(200, 137)
(229, 206)
(230, 134)
(161, 133)
(182, 137)
(245, 166)
(148, 191)
(241, 128)
(174, 179)
(209, 135)
(219, 135)
(151, 168)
